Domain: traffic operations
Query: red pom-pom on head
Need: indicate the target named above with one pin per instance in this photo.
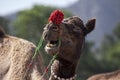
(56, 17)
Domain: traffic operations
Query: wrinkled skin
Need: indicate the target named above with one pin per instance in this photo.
(71, 33)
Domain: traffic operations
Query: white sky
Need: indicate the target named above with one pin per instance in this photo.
(10, 6)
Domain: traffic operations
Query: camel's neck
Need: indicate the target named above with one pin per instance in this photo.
(62, 69)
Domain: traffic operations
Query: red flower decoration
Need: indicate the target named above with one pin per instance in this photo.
(56, 17)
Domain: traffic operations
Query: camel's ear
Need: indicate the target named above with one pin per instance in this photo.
(90, 25)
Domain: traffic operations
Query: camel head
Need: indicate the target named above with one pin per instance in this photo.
(67, 38)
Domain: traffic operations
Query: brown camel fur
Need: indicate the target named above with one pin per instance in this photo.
(106, 76)
(15, 56)
(72, 34)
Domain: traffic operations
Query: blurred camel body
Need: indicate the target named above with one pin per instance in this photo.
(106, 76)
(15, 56)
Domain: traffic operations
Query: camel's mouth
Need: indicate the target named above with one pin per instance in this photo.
(52, 46)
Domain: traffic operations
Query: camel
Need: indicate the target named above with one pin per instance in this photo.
(115, 75)
(16, 53)
(66, 40)
(15, 56)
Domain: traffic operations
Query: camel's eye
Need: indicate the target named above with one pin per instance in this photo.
(55, 28)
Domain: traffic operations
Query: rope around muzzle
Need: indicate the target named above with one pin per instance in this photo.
(40, 43)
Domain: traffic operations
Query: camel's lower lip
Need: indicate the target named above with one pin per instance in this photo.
(52, 47)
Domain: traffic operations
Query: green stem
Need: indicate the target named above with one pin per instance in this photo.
(38, 47)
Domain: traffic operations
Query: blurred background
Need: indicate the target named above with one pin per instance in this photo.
(26, 19)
